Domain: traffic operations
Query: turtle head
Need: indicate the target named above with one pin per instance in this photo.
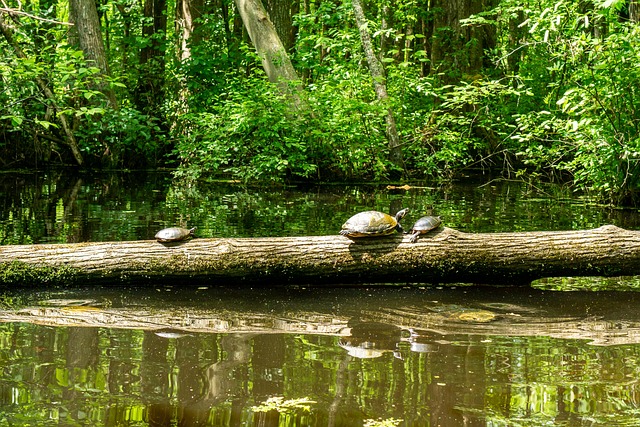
(401, 214)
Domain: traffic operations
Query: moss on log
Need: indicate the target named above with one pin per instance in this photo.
(443, 256)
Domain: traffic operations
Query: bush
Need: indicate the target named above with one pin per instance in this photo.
(123, 138)
(257, 135)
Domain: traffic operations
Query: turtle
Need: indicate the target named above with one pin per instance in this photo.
(372, 224)
(174, 234)
(423, 226)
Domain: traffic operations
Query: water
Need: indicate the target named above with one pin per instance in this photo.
(55, 207)
(313, 355)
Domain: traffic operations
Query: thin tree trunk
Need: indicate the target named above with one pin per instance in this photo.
(188, 12)
(125, 46)
(69, 139)
(386, 22)
(444, 256)
(377, 74)
(634, 11)
(43, 38)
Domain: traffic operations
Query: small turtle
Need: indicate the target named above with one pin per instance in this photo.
(372, 224)
(174, 234)
(423, 226)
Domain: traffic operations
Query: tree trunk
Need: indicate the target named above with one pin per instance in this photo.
(377, 74)
(458, 50)
(281, 13)
(443, 256)
(634, 11)
(44, 37)
(275, 60)
(188, 15)
(150, 89)
(84, 15)
(188, 12)
(125, 46)
(514, 42)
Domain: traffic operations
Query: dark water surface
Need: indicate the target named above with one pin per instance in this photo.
(308, 356)
(56, 207)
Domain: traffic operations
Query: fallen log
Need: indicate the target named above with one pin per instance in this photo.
(443, 256)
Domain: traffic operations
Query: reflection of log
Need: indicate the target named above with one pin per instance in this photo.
(444, 256)
(610, 320)
(178, 321)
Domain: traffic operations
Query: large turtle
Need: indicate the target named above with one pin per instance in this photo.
(423, 226)
(372, 224)
(174, 234)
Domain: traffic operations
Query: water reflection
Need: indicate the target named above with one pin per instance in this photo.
(211, 357)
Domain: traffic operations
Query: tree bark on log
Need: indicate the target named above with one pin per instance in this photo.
(443, 256)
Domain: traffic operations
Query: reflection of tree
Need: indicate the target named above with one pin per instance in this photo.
(340, 386)
(191, 381)
(82, 360)
(154, 379)
(191, 378)
(44, 340)
(220, 383)
(268, 358)
(200, 390)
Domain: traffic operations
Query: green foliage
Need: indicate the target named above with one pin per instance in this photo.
(603, 111)
(550, 96)
(242, 126)
(107, 137)
(578, 65)
(121, 138)
(467, 125)
(21, 105)
(254, 133)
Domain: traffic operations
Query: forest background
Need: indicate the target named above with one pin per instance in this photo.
(327, 89)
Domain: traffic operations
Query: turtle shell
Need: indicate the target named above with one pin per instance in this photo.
(372, 224)
(174, 234)
(424, 225)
